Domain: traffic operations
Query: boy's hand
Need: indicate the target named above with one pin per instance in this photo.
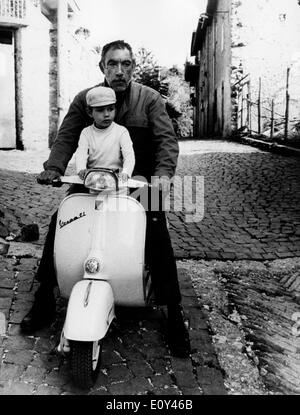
(82, 173)
(123, 177)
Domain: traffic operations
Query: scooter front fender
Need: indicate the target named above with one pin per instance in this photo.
(90, 311)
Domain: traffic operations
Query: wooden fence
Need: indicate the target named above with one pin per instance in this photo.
(253, 114)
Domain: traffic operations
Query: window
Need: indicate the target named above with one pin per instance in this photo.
(6, 37)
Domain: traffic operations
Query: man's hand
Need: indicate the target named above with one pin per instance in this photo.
(47, 177)
(162, 182)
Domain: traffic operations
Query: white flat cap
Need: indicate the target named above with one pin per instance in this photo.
(100, 96)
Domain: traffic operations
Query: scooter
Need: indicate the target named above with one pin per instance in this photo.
(99, 256)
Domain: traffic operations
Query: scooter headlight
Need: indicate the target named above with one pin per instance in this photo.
(92, 266)
(101, 179)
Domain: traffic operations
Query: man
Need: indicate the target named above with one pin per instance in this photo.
(142, 111)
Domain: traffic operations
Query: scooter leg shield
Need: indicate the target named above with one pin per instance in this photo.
(90, 311)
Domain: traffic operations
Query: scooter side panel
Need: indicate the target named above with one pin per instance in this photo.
(73, 239)
(90, 311)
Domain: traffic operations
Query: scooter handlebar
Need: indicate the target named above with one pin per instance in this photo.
(76, 180)
(134, 183)
(57, 182)
(71, 179)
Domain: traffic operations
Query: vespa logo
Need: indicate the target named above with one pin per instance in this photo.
(62, 223)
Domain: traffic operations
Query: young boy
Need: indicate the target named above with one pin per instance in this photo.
(104, 143)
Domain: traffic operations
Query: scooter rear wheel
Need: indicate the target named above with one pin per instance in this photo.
(85, 362)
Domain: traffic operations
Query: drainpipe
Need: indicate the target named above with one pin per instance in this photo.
(62, 58)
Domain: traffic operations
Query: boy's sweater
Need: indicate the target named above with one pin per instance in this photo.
(109, 147)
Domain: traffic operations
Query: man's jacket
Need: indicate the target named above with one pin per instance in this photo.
(143, 113)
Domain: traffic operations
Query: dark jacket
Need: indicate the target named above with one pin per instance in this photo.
(143, 113)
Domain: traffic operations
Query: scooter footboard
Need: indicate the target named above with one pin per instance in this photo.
(90, 311)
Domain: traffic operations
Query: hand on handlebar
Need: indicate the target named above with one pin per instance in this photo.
(47, 177)
(163, 183)
(123, 177)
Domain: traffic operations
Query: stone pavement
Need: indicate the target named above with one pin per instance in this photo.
(135, 358)
(251, 208)
(252, 211)
(251, 202)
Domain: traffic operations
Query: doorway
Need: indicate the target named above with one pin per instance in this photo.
(7, 90)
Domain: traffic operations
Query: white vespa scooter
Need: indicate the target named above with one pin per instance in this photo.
(99, 256)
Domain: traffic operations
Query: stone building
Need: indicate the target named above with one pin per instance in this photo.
(29, 98)
(244, 54)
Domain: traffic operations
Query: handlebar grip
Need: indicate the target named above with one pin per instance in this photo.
(57, 183)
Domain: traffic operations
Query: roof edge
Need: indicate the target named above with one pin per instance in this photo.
(204, 21)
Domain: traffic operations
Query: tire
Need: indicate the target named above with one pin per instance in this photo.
(84, 366)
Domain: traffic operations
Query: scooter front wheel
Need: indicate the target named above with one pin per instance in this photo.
(85, 362)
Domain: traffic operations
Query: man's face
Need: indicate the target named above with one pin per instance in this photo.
(118, 67)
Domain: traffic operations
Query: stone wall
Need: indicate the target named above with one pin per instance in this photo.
(237, 69)
(36, 62)
(265, 41)
(33, 81)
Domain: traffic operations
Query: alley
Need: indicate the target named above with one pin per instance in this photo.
(251, 202)
(251, 213)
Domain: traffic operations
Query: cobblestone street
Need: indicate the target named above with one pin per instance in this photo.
(252, 208)
(251, 204)
(251, 212)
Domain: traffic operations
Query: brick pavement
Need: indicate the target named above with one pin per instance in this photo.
(135, 358)
(24, 201)
(252, 206)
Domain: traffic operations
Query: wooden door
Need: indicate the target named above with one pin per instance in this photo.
(7, 91)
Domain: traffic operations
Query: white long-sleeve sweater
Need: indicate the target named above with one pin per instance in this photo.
(109, 147)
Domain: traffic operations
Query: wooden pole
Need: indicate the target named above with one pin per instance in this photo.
(259, 107)
(287, 109)
(242, 107)
(249, 107)
(272, 121)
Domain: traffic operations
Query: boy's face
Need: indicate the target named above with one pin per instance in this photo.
(103, 116)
